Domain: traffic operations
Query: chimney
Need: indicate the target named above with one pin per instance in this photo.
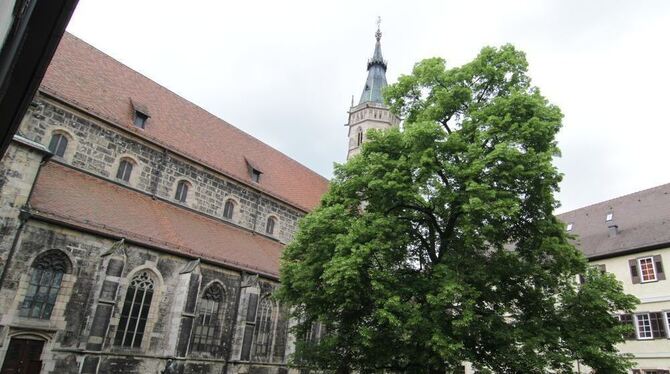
(613, 230)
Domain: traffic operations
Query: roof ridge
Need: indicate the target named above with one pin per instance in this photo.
(620, 197)
(194, 105)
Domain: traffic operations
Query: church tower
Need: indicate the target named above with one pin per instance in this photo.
(370, 112)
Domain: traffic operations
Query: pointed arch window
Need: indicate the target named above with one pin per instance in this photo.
(125, 170)
(45, 281)
(270, 225)
(359, 137)
(210, 316)
(135, 311)
(182, 191)
(229, 209)
(58, 144)
(264, 329)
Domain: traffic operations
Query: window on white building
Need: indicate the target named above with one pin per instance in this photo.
(643, 326)
(647, 269)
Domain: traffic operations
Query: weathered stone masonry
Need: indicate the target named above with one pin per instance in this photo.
(96, 147)
(253, 335)
(82, 335)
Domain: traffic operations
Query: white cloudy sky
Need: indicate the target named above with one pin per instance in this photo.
(284, 71)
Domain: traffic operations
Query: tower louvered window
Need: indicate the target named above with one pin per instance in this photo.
(135, 311)
(210, 316)
(45, 281)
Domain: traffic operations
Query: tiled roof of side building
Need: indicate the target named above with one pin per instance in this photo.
(85, 77)
(74, 198)
(642, 220)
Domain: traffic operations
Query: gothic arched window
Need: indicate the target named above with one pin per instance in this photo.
(270, 225)
(135, 310)
(45, 280)
(58, 144)
(264, 329)
(210, 315)
(125, 169)
(228, 209)
(359, 137)
(182, 191)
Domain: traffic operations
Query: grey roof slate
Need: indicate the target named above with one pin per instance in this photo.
(376, 81)
(642, 219)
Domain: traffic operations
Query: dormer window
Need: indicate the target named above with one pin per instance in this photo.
(140, 119)
(254, 170)
(255, 175)
(141, 114)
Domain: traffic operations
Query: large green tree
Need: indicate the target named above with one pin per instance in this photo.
(437, 244)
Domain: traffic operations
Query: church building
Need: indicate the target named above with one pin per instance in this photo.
(139, 229)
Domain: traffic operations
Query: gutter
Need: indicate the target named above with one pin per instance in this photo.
(650, 247)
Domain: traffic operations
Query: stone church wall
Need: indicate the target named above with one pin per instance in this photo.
(80, 333)
(74, 325)
(97, 147)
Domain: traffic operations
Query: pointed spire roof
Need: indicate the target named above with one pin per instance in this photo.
(372, 92)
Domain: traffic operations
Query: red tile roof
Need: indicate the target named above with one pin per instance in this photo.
(70, 196)
(642, 219)
(87, 78)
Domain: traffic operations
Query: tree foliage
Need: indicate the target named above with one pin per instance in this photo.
(437, 244)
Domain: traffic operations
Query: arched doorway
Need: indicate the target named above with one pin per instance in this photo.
(23, 355)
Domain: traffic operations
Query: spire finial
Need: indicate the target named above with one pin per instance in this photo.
(378, 34)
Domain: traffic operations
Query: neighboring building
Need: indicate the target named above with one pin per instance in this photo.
(138, 227)
(630, 237)
(370, 113)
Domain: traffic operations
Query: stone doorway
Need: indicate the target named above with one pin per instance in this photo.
(23, 357)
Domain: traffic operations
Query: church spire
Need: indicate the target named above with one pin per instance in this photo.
(370, 112)
(376, 73)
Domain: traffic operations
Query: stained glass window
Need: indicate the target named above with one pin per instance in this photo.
(210, 316)
(45, 281)
(135, 311)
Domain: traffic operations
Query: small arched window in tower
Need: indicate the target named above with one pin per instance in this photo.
(229, 209)
(58, 144)
(182, 191)
(270, 225)
(264, 329)
(210, 317)
(359, 137)
(45, 281)
(135, 311)
(125, 169)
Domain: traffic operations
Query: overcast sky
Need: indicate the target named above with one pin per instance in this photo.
(285, 71)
